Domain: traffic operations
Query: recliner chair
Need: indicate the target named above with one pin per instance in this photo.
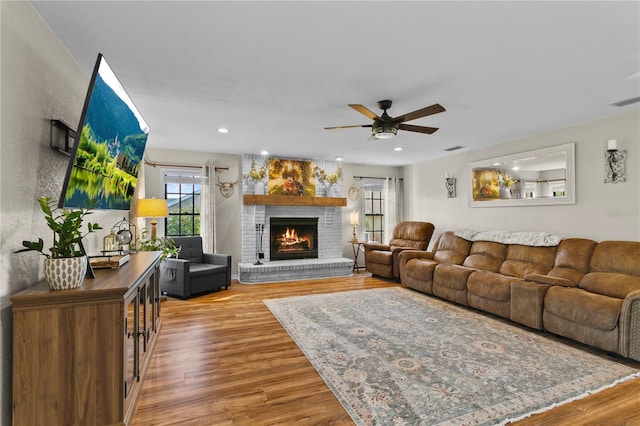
(382, 259)
(194, 271)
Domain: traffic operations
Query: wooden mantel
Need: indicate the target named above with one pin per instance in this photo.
(288, 200)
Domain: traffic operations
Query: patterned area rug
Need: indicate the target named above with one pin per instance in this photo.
(397, 357)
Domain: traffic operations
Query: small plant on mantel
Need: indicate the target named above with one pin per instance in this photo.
(331, 179)
(256, 174)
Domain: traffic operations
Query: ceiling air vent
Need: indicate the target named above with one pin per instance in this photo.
(626, 102)
(454, 148)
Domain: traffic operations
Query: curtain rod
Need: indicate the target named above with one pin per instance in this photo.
(186, 166)
(375, 177)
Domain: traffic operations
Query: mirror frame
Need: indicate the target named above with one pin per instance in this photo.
(570, 190)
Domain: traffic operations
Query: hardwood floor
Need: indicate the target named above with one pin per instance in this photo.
(223, 359)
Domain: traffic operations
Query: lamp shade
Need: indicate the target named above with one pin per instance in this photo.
(152, 207)
(354, 218)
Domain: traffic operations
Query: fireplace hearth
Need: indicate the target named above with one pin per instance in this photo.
(293, 238)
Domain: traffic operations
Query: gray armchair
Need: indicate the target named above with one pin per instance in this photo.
(194, 272)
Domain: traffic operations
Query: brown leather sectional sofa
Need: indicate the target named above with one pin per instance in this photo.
(579, 288)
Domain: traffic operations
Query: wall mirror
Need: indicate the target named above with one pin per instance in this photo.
(540, 177)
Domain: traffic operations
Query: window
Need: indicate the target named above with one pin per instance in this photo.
(374, 209)
(182, 190)
(382, 206)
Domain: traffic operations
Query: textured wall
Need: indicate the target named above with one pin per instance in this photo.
(39, 81)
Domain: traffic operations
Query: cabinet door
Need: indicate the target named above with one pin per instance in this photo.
(156, 299)
(131, 308)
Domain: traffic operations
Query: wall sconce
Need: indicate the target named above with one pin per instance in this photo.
(614, 163)
(354, 220)
(450, 184)
(153, 208)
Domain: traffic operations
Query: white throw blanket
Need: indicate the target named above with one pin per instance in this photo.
(540, 239)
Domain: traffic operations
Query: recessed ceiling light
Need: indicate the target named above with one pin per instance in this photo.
(515, 168)
(338, 158)
(397, 148)
(264, 152)
(223, 130)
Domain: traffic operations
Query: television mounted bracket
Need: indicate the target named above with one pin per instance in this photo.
(62, 129)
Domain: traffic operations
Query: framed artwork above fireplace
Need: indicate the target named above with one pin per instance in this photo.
(292, 178)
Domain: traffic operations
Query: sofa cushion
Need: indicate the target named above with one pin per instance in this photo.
(610, 284)
(190, 248)
(625, 253)
(451, 276)
(582, 307)
(486, 255)
(197, 270)
(572, 259)
(525, 260)
(490, 285)
(412, 234)
(451, 249)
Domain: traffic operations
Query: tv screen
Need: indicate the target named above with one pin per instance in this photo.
(109, 146)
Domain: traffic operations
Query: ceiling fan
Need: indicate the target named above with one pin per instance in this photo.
(386, 127)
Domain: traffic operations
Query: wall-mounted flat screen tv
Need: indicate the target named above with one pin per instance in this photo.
(109, 146)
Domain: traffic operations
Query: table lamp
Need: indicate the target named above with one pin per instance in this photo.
(153, 208)
(354, 220)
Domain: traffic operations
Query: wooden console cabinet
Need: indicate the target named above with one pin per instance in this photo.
(79, 356)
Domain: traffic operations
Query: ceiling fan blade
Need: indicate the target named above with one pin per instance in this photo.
(348, 127)
(430, 110)
(419, 129)
(364, 110)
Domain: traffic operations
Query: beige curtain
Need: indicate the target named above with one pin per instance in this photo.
(208, 208)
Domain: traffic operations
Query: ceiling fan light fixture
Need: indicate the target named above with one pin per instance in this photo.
(384, 132)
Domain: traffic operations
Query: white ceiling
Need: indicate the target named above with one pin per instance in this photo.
(277, 73)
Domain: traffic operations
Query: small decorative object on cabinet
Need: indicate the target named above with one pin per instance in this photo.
(67, 263)
(80, 356)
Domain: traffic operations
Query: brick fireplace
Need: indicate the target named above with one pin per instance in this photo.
(324, 260)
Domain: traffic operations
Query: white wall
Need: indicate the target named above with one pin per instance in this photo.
(601, 212)
(39, 80)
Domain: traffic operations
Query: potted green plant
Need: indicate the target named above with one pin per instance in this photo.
(166, 245)
(66, 265)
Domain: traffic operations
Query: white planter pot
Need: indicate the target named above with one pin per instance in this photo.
(505, 193)
(65, 273)
(331, 191)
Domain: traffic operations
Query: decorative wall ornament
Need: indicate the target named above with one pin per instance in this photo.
(354, 192)
(450, 184)
(614, 163)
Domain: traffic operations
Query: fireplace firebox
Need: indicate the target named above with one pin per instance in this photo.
(293, 238)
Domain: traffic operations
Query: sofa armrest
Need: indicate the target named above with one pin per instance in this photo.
(547, 279)
(216, 259)
(629, 342)
(407, 255)
(175, 271)
(395, 253)
(369, 247)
